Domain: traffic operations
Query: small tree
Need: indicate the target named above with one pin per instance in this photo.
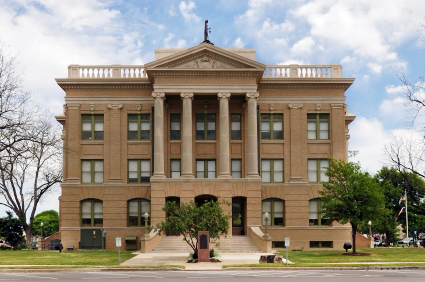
(50, 219)
(11, 230)
(351, 196)
(188, 219)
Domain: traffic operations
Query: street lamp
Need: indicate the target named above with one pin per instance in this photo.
(146, 215)
(370, 228)
(42, 225)
(266, 216)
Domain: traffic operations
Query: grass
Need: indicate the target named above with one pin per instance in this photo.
(92, 258)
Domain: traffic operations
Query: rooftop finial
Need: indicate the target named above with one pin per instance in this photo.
(206, 31)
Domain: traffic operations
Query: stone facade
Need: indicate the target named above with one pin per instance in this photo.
(203, 81)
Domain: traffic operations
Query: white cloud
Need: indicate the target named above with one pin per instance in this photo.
(393, 109)
(238, 43)
(304, 46)
(289, 62)
(186, 10)
(376, 68)
(347, 59)
(391, 89)
(172, 11)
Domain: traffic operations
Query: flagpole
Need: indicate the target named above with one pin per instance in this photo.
(407, 218)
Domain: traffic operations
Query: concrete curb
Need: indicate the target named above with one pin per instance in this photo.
(327, 268)
(29, 270)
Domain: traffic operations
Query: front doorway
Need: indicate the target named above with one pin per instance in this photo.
(238, 216)
(202, 199)
(176, 200)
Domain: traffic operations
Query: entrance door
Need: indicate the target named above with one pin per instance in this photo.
(176, 200)
(238, 216)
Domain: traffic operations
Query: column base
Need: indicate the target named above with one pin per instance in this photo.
(253, 176)
(158, 176)
(225, 176)
(187, 176)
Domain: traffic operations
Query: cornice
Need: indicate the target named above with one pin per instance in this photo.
(106, 86)
(109, 100)
(301, 99)
(205, 72)
(285, 85)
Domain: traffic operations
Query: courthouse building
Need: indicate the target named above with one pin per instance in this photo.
(198, 124)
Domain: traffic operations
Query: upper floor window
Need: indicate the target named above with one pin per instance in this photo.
(92, 127)
(205, 169)
(272, 126)
(139, 127)
(275, 208)
(92, 171)
(175, 169)
(272, 170)
(318, 126)
(315, 215)
(236, 132)
(236, 168)
(317, 170)
(136, 212)
(91, 212)
(205, 127)
(139, 171)
(175, 127)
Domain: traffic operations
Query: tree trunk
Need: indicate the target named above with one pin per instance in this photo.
(28, 236)
(353, 234)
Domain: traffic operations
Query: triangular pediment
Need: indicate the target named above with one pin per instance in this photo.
(205, 56)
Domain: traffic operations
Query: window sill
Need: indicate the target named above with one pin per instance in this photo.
(94, 142)
(175, 141)
(318, 141)
(272, 141)
(236, 141)
(142, 141)
(206, 141)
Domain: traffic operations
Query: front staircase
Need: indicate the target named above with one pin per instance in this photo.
(235, 244)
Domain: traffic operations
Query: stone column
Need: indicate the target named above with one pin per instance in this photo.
(252, 135)
(73, 138)
(224, 169)
(186, 162)
(296, 143)
(159, 135)
(115, 143)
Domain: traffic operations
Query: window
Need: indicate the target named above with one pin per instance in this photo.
(321, 244)
(236, 168)
(318, 126)
(272, 126)
(315, 217)
(136, 212)
(272, 170)
(139, 127)
(236, 132)
(317, 170)
(139, 171)
(275, 208)
(278, 244)
(175, 127)
(175, 169)
(205, 127)
(205, 169)
(91, 212)
(92, 171)
(92, 127)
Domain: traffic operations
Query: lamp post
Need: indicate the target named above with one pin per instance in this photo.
(146, 215)
(370, 228)
(266, 216)
(42, 225)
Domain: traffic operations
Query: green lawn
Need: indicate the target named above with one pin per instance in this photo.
(104, 258)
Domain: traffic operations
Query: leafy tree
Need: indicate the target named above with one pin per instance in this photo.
(50, 219)
(11, 230)
(351, 196)
(188, 219)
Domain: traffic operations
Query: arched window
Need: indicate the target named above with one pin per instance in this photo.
(315, 217)
(136, 212)
(276, 210)
(91, 212)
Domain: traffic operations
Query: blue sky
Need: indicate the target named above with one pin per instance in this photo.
(373, 40)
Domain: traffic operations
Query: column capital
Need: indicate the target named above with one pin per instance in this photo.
(115, 106)
(158, 95)
(252, 95)
(225, 95)
(295, 106)
(186, 95)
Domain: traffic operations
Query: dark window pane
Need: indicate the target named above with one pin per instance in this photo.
(314, 222)
(277, 135)
(211, 117)
(133, 117)
(132, 135)
(236, 135)
(86, 222)
(98, 117)
(265, 135)
(98, 221)
(327, 244)
(236, 117)
(175, 117)
(133, 221)
(145, 117)
(278, 221)
(211, 135)
(314, 244)
(86, 135)
(98, 135)
(145, 178)
(175, 135)
(265, 116)
(325, 221)
(311, 116)
(277, 117)
(200, 135)
(133, 180)
(144, 134)
(200, 117)
(324, 116)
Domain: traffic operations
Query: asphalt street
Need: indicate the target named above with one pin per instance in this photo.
(252, 275)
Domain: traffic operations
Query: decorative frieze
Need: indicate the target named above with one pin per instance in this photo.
(115, 106)
(72, 106)
(295, 106)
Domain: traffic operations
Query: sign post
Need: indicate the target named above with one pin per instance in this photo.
(287, 241)
(118, 244)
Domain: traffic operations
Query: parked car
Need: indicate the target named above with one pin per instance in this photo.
(377, 242)
(405, 241)
(5, 246)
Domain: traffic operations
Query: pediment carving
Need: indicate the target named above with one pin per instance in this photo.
(204, 63)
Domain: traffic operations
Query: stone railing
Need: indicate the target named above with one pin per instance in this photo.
(111, 71)
(299, 71)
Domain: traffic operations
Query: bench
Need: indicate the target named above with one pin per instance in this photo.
(69, 248)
